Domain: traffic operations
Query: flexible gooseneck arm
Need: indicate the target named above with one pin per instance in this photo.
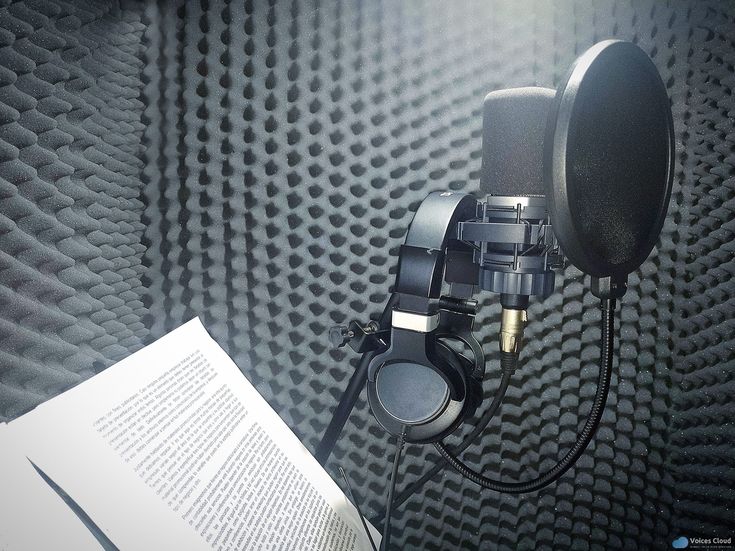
(584, 438)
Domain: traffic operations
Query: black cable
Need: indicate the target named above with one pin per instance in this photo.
(481, 425)
(584, 438)
(385, 542)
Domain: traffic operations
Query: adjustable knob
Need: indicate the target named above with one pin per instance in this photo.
(340, 335)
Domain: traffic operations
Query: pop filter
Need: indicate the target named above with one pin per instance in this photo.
(608, 159)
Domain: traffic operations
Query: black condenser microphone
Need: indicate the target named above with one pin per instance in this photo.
(517, 257)
(594, 159)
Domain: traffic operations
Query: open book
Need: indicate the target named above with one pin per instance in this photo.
(170, 449)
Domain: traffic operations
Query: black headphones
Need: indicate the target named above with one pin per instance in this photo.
(418, 385)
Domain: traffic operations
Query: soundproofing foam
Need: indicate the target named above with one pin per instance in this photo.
(70, 196)
(257, 164)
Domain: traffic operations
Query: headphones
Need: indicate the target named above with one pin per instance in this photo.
(419, 386)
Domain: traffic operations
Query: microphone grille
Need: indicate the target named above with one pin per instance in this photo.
(513, 129)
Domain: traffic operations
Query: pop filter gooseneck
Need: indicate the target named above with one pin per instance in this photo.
(583, 439)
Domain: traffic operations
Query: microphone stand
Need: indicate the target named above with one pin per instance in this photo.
(361, 339)
(343, 409)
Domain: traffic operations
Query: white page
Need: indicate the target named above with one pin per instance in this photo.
(32, 515)
(143, 448)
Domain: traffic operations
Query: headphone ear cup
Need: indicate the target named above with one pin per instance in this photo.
(428, 400)
(473, 376)
(472, 385)
(471, 391)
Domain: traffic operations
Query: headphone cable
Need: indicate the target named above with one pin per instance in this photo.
(385, 542)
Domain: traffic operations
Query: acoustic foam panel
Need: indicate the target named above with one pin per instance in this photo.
(70, 207)
(257, 164)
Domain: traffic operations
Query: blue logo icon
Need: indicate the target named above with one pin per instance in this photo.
(680, 543)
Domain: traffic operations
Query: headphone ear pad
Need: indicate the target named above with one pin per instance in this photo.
(466, 390)
(454, 369)
(472, 386)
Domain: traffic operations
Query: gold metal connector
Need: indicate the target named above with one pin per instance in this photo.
(512, 324)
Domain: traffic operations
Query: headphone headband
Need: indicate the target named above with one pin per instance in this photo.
(422, 256)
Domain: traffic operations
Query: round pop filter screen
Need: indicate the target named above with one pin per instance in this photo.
(608, 159)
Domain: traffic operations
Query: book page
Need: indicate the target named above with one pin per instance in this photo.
(32, 516)
(173, 448)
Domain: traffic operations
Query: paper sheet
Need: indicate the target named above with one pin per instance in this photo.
(173, 448)
(32, 517)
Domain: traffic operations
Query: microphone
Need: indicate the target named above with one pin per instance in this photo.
(594, 160)
(518, 252)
